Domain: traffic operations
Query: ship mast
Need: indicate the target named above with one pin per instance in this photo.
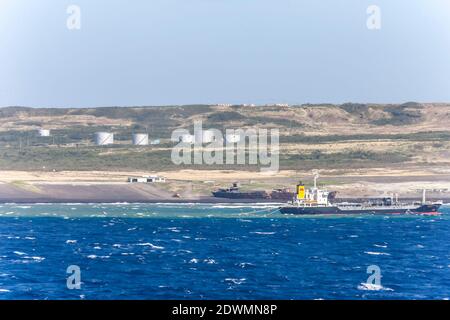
(316, 176)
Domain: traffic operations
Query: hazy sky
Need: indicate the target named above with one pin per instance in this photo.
(153, 52)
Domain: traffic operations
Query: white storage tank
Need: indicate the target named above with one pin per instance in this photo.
(232, 138)
(44, 133)
(187, 138)
(208, 136)
(140, 139)
(198, 136)
(104, 138)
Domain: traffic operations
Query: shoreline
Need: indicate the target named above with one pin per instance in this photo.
(211, 200)
(191, 187)
(206, 200)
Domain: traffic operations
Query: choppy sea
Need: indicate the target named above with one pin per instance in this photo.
(202, 251)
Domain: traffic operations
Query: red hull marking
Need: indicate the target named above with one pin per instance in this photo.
(419, 213)
(429, 213)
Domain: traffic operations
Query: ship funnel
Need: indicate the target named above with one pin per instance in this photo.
(424, 196)
(300, 191)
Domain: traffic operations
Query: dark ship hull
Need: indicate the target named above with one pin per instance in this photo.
(420, 209)
(241, 195)
(282, 195)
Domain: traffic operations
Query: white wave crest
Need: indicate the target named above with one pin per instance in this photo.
(372, 287)
(377, 253)
(151, 245)
(263, 232)
(235, 280)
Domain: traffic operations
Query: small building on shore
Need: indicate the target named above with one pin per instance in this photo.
(147, 179)
(44, 132)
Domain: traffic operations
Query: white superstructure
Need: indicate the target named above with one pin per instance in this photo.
(312, 196)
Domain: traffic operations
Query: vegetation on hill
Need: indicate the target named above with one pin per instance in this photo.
(312, 136)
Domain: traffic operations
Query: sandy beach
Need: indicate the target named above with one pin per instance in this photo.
(191, 186)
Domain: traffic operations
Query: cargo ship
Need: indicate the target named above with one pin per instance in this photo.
(318, 201)
(283, 194)
(234, 193)
(278, 195)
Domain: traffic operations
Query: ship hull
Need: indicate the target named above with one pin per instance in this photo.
(430, 209)
(240, 195)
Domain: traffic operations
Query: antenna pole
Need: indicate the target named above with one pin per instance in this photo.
(316, 175)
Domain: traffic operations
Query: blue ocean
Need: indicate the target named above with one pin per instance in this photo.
(205, 251)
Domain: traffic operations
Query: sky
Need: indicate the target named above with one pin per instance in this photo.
(163, 52)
